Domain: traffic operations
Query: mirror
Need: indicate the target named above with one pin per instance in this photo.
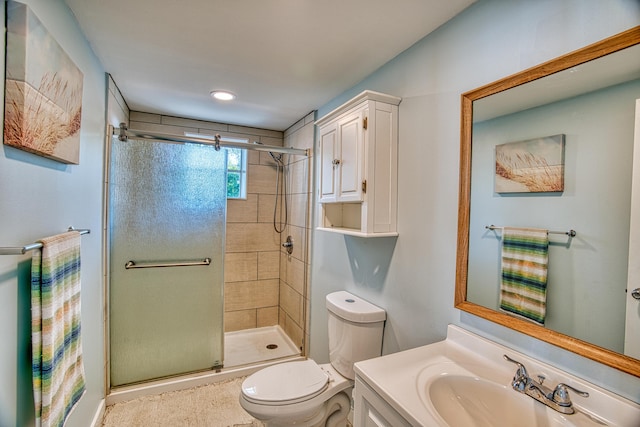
(574, 99)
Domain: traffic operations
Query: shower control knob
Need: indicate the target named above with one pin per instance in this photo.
(288, 245)
(636, 293)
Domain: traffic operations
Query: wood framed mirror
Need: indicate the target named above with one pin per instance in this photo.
(522, 94)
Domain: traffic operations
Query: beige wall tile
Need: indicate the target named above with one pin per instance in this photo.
(138, 116)
(240, 266)
(298, 209)
(253, 158)
(248, 295)
(291, 329)
(302, 138)
(246, 237)
(266, 203)
(238, 320)
(268, 265)
(243, 210)
(268, 140)
(295, 274)
(154, 127)
(267, 316)
(291, 302)
(297, 178)
(255, 131)
(298, 235)
(198, 124)
(261, 179)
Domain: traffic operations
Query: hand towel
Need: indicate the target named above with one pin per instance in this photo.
(525, 256)
(57, 366)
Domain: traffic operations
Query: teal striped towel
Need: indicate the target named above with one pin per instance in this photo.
(57, 367)
(525, 256)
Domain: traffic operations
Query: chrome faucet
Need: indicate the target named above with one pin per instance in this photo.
(557, 399)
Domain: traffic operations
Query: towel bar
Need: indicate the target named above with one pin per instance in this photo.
(132, 264)
(21, 250)
(570, 233)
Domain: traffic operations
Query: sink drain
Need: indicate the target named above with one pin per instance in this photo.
(272, 346)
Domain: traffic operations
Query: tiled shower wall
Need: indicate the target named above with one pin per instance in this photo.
(263, 285)
(295, 268)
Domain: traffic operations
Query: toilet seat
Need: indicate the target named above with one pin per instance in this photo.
(285, 383)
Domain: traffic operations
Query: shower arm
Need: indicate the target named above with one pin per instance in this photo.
(218, 141)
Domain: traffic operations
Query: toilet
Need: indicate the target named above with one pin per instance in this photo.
(303, 393)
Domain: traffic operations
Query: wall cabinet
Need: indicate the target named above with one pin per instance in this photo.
(358, 170)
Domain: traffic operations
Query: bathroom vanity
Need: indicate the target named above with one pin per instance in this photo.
(465, 380)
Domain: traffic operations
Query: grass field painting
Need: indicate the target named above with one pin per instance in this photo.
(43, 90)
(532, 166)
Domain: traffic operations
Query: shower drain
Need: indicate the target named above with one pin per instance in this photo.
(272, 346)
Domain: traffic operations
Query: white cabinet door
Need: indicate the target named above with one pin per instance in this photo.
(351, 135)
(329, 163)
(341, 147)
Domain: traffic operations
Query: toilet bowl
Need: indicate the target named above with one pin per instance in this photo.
(297, 393)
(304, 393)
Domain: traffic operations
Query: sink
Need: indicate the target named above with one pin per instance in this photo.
(470, 401)
(466, 400)
(466, 381)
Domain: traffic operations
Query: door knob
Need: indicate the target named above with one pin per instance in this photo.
(636, 293)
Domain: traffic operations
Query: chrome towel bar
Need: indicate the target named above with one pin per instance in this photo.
(132, 264)
(21, 250)
(570, 233)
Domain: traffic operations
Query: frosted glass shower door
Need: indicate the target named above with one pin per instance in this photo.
(167, 204)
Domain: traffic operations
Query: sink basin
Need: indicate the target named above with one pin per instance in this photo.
(463, 400)
(465, 381)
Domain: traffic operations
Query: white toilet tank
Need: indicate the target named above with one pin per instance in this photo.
(355, 331)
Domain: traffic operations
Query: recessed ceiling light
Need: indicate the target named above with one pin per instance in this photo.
(222, 95)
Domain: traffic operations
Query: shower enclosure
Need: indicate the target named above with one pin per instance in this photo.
(166, 231)
(167, 225)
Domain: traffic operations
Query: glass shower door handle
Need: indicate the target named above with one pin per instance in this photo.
(133, 264)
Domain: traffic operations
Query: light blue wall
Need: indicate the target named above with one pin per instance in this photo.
(41, 197)
(413, 276)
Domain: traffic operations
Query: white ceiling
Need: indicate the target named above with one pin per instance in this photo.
(282, 58)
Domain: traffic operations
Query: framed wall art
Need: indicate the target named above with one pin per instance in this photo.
(43, 90)
(531, 166)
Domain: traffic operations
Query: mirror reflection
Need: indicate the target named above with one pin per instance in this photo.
(555, 153)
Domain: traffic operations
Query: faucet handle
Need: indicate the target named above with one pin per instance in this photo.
(561, 394)
(522, 371)
(521, 377)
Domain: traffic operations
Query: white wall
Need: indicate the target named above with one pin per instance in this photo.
(413, 276)
(41, 197)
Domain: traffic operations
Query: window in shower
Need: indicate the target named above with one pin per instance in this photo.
(236, 165)
(236, 173)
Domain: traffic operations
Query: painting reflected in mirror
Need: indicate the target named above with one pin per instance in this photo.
(551, 149)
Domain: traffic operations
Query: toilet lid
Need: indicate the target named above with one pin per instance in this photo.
(286, 382)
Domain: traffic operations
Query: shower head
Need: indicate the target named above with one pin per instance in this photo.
(276, 157)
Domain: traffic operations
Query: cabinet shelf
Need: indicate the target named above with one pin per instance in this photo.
(356, 232)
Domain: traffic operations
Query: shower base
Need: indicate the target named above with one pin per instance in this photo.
(257, 345)
(245, 353)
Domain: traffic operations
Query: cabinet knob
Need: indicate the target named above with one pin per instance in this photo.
(335, 162)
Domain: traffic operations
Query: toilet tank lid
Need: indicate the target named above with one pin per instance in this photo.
(353, 308)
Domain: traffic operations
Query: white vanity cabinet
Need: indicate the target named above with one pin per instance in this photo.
(371, 410)
(358, 171)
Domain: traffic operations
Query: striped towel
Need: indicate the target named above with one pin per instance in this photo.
(58, 371)
(523, 289)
